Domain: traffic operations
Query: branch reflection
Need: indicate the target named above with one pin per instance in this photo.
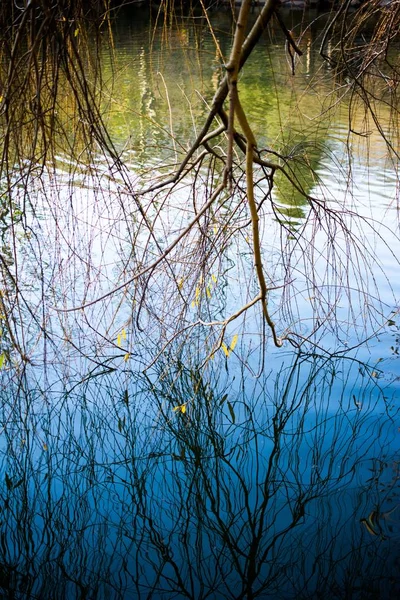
(286, 486)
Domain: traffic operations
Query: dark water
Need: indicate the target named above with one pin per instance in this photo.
(140, 460)
(286, 486)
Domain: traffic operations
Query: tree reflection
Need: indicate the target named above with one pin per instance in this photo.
(258, 489)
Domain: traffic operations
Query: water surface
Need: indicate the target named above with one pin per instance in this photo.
(139, 459)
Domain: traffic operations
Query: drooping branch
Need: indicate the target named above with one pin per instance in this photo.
(221, 94)
(241, 50)
(236, 109)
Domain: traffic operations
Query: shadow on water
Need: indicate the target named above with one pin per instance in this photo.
(191, 485)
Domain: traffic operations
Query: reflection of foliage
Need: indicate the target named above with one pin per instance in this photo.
(303, 160)
(107, 492)
(363, 50)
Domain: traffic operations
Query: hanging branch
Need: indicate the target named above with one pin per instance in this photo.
(221, 94)
(242, 49)
(290, 43)
(236, 109)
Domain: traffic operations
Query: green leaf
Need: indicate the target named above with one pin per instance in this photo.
(2, 359)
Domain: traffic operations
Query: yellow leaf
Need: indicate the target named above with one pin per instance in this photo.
(214, 278)
(215, 229)
(196, 300)
(76, 32)
(183, 409)
(234, 341)
(225, 349)
(208, 291)
(180, 283)
(119, 340)
(2, 359)
(1, 98)
(123, 334)
(126, 357)
(45, 447)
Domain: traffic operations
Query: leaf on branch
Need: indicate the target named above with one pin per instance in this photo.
(232, 412)
(227, 351)
(181, 408)
(234, 341)
(121, 336)
(223, 399)
(196, 300)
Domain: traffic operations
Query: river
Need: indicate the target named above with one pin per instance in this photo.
(152, 446)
